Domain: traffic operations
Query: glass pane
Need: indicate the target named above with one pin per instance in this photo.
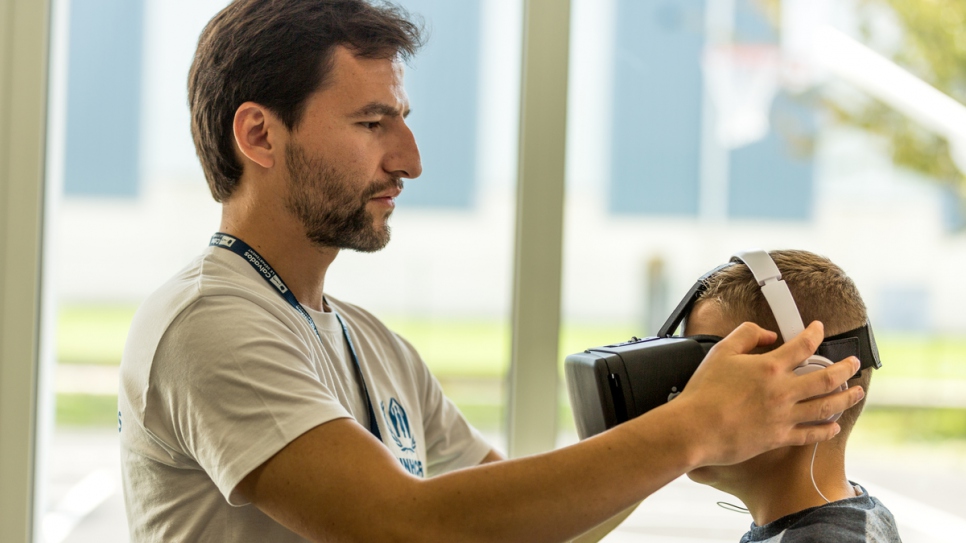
(134, 209)
(690, 139)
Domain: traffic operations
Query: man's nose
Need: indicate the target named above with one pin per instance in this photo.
(404, 160)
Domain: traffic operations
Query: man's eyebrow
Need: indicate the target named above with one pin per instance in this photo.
(379, 108)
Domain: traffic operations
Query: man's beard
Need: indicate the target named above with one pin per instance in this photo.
(329, 206)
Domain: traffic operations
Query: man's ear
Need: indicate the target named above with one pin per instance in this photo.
(256, 132)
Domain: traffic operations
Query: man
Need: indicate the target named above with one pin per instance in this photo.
(253, 407)
(795, 494)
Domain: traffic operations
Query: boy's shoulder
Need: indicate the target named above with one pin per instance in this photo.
(862, 519)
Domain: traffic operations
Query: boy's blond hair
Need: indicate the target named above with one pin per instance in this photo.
(822, 292)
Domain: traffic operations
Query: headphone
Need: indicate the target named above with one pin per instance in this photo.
(783, 306)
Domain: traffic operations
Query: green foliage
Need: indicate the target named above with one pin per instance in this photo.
(933, 47)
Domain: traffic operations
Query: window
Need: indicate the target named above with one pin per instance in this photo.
(655, 198)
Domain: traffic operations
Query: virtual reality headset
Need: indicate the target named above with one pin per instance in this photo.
(612, 384)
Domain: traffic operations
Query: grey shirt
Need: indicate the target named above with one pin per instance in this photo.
(862, 519)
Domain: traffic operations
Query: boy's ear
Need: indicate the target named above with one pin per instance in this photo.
(257, 132)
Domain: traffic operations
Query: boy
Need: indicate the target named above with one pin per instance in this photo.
(795, 494)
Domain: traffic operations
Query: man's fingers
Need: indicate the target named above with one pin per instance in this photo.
(802, 346)
(818, 409)
(746, 337)
(806, 435)
(826, 380)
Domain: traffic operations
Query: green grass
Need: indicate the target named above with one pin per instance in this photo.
(470, 357)
(95, 334)
(472, 348)
(92, 334)
(86, 410)
(922, 356)
(877, 425)
(481, 348)
(903, 425)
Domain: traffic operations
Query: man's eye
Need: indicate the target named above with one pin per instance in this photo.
(370, 125)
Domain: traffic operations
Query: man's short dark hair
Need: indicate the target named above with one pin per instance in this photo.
(277, 53)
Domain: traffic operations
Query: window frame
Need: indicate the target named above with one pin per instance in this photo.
(25, 26)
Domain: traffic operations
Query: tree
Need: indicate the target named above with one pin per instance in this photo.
(932, 46)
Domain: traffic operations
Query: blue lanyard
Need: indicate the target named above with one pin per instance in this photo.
(251, 256)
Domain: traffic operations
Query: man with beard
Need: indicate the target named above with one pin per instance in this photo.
(254, 407)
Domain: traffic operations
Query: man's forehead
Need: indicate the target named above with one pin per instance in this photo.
(347, 57)
(361, 76)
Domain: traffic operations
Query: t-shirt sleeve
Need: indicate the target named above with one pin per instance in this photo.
(232, 384)
(451, 442)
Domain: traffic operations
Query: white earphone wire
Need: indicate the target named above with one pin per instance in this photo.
(811, 473)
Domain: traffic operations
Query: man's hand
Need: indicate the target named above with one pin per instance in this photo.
(742, 405)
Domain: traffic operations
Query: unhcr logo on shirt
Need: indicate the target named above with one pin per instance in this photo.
(398, 423)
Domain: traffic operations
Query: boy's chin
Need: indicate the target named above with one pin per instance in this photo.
(706, 476)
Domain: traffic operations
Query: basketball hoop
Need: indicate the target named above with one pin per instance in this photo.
(800, 24)
(742, 81)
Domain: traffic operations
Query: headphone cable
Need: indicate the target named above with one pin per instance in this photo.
(811, 473)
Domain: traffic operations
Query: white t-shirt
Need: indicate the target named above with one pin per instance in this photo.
(219, 373)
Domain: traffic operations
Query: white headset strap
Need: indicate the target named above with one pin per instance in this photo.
(775, 290)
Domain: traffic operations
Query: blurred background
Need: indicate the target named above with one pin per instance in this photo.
(695, 128)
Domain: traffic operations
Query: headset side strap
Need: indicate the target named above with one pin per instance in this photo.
(684, 307)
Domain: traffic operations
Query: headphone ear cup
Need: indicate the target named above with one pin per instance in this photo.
(813, 363)
(817, 363)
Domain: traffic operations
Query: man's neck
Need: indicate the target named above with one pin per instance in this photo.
(784, 488)
(281, 241)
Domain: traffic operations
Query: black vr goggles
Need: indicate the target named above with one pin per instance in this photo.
(612, 384)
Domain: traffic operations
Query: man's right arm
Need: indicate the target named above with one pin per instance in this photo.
(337, 482)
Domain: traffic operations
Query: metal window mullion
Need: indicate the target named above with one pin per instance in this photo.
(24, 27)
(538, 258)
